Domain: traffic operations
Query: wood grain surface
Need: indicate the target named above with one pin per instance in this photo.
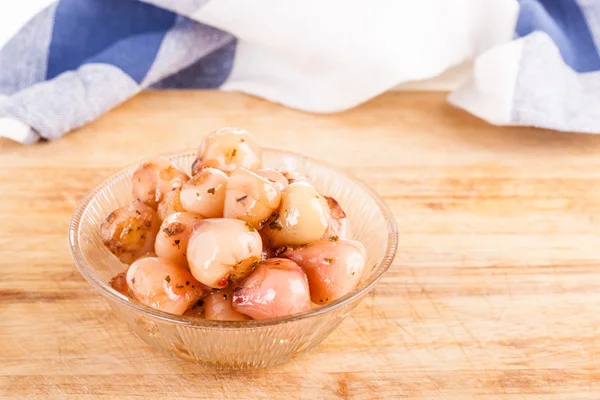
(495, 291)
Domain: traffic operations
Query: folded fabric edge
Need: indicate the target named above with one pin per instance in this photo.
(72, 99)
(489, 93)
(260, 72)
(330, 77)
(14, 129)
(551, 94)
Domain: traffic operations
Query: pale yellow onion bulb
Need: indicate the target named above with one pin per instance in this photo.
(163, 285)
(223, 250)
(274, 176)
(170, 203)
(204, 193)
(154, 178)
(293, 176)
(129, 232)
(174, 235)
(228, 149)
(250, 197)
(302, 218)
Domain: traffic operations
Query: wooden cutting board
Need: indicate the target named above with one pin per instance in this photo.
(494, 293)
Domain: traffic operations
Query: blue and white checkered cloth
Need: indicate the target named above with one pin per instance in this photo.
(64, 63)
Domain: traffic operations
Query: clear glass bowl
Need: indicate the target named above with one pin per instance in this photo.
(246, 344)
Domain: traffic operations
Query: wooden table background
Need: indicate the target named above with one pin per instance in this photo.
(494, 293)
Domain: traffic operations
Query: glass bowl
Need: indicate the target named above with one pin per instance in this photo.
(236, 344)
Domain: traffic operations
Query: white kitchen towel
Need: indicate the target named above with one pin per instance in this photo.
(64, 63)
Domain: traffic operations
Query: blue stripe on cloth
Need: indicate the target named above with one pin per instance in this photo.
(207, 73)
(185, 44)
(124, 33)
(565, 23)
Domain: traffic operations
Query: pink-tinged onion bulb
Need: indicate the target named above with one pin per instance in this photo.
(228, 149)
(153, 179)
(338, 223)
(196, 310)
(164, 286)
(223, 250)
(333, 268)
(204, 193)
(277, 287)
(250, 198)
(129, 232)
(217, 307)
(119, 283)
(173, 237)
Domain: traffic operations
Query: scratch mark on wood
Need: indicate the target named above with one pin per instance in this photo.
(399, 325)
(342, 387)
(450, 330)
(435, 385)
